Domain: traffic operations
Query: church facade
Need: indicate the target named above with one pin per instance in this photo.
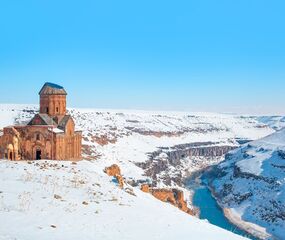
(50, 134)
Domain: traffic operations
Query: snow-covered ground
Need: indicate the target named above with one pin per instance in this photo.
(60, 200)
(252, 185)
(123, 137)
(126, 136)
(275, 122)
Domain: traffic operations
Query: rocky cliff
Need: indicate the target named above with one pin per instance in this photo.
(115, 171)
(173, 196)
(170, 164)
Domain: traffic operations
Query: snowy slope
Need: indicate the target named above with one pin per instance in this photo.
(127, 136)
(10, 112)
(275, 122)
(113, 136)
(60, 200)
(252, 185)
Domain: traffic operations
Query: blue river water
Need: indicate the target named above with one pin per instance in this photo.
(210, 210)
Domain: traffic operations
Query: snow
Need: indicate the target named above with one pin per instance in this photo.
(227, 126)
(57, 130)
(270, 143)
(7, 116)
(253, 166)
(275, 122)
(29, 209)
(27, 190)
(276, 139)
(133, 131)
(256, 175)
(234, 215)
(132, 147)
(10, 112)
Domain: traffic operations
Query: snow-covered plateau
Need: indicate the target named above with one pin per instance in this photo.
(62, 200)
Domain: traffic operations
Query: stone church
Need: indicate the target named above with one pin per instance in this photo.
(50, 134)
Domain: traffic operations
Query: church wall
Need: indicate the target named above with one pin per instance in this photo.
(59, 147)
(37, 140)
(30, 139)
(68, 147)
(10, 148)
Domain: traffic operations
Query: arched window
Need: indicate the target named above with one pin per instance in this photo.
(47, 110)
(38, 137)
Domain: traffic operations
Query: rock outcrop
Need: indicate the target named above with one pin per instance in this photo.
(115, 171)
(197, 149)
(158, 134)
(172, 160)
(103, 140)
(172, 196)
(145, 188)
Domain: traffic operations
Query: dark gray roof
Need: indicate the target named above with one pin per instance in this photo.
(45, 120)
(52, 89)
(63, 122)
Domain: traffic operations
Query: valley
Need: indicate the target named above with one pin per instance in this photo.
(158, 149)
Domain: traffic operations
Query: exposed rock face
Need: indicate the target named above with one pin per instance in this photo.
(145, 188)
(91, 153)
(176, 133)
(170, 167)
(158, 134)
(120, 180)
(181, 203)
(281, 154)
(164, 195)
(103, 140)
(172, 196)
(205, 149)
(115, 171)
(237, 173)
(166, 159)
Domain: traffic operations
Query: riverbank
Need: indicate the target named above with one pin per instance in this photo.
(251, 228)
(204, 199)
(233, 217)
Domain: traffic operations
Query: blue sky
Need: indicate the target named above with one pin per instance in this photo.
(219, 55)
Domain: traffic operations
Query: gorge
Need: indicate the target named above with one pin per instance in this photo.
(158, 149)
(160, 167)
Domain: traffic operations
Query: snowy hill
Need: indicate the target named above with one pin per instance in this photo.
(251, 184)
(61, 200)
(126, 137)
(275, 122)
(130, 139)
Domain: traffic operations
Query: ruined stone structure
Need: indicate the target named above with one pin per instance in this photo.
(49, 135)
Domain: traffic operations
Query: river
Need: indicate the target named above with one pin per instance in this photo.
(209, 209)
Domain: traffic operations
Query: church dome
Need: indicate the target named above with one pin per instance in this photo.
(52, 89)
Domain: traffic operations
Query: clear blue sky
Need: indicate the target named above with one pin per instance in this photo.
(202, 55)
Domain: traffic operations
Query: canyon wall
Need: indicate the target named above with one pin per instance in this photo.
(164, 159)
